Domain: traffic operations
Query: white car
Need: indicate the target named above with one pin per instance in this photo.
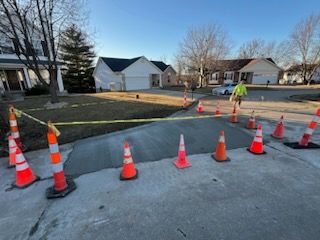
(225, 89)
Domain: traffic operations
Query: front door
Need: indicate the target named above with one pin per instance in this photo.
(13, 80)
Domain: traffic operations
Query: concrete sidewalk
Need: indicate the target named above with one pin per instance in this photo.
(272, 196)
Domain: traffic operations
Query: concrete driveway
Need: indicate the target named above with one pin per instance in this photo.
(152, 142)
(155, 141)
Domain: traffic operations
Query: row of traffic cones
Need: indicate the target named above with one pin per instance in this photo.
(279, 129)
(251, 124)
(25, 175)
(129, 172)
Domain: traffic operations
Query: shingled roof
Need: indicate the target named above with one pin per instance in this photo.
(161, 65)
(236, 64)
(119, 64)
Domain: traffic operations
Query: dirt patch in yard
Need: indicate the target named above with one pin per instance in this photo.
(85, 108)
(142, 98)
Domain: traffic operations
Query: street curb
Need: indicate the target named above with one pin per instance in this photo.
(294, 99)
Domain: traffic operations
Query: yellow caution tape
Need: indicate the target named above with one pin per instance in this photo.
(16, 112)
(54, 129)
(53, 125)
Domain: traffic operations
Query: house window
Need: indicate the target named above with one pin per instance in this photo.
(215, 76)
(3, 80)
(228, 76)
(169, 77)
(37, 44)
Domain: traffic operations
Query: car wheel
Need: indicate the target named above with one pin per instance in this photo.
(226, 92)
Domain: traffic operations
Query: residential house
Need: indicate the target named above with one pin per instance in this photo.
(293, 75)
(14, 75)
(119, 74)
(252, 71)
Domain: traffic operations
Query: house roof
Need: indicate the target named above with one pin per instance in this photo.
(237, 64)
(298, 68)
(119, 64)
(161, 65)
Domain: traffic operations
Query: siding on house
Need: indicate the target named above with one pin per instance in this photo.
(103, 76)
(169, 77)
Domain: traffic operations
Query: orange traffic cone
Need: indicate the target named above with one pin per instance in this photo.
(182, 161)
(217, 113)
(251, 124)
(12, 151)
(233, 118)
(14, 127)
(24, 174)
(62, 186)
(279, 130)
(129, 172)
(220, 154)
(257, 144)
(200, 107)
(304, 141)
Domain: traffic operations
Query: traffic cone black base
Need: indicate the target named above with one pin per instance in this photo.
(248, 149)
(27, 185)
(52, 193)
(227, 160)
(295, 145)
(132, 178)
(274, 137)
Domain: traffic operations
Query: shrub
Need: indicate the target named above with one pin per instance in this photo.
(37, 90)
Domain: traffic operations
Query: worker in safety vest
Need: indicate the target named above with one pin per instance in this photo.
(238, 93)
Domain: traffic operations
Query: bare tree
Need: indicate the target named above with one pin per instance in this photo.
(26, 22)
(202, 47)
(252, 49)
(305, 42)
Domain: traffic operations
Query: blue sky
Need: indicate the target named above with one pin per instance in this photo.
(130, 28)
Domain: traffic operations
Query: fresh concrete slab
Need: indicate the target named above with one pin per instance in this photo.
(152, 142)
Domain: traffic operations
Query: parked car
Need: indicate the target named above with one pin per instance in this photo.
(225, 89)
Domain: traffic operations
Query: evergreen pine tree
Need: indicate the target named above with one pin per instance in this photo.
(78, 56)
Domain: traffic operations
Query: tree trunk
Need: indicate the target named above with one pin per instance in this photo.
(53, 86)
(53, 93)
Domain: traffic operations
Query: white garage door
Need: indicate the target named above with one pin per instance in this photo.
(263, 78)
(136, 83)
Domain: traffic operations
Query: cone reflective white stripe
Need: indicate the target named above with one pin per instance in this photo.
(221, 139)
(127, 152)
(20, 158)
(12, 149)
(127, 156)
(259, 133)
(181, 147)
(258, 139)
(58, 167)
(15, 135)
(12, 145)
(13, 123)
(316, 119)
(127, 160)
(54, 148)
(22, 167)
(309, 131)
